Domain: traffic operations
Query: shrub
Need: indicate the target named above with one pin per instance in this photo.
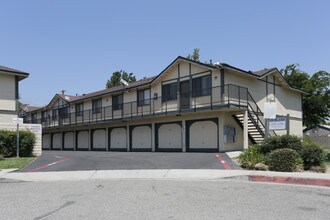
(284, 160)
(8, 143)
(312, 154)
(279, 142)
(250, 157)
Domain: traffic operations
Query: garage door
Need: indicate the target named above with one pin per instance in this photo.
(68, 141)
(202, 135)
(118, 139)
(99, 139)
(141, 138)
(57, 141)
(168, 137)
(82, 140)
(46, 142)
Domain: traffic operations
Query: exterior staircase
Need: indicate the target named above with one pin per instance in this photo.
(256, 122)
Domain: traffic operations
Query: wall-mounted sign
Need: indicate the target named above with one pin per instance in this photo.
(277, 123)
(270, 110)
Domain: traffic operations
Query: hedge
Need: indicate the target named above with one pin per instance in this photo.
(27, 141)
(283, 160)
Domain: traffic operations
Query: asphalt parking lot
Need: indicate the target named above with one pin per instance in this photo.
(95, 160)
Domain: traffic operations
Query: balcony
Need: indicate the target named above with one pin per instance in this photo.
(226, 97)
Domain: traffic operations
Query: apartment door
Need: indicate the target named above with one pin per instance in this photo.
(184, 95)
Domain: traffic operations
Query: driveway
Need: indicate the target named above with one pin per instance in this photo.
(91, 160)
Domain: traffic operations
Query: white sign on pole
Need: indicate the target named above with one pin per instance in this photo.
(17, 121)
(270, 110)
(277, 124)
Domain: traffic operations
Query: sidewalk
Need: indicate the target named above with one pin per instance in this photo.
(315, 179)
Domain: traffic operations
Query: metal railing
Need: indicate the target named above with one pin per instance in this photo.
(229, 96)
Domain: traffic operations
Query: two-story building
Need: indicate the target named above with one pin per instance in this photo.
(9, 89)
(189, 106)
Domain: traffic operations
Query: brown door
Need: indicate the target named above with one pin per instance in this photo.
(184, 95)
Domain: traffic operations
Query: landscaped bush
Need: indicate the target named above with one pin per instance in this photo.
(279, 142)
(8, 143)
(312, 154)
(250, 157)
(284, 160)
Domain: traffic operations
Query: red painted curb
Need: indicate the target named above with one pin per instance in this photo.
(47, 165)
(223, 162)
(290, 180)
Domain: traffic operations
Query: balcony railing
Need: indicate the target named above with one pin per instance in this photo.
(228, 96)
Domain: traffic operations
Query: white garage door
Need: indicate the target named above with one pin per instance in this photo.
(68, 140)
(118, 139)
(169, 136)
(141, 138)
(83, 140)
(57, 141)
(203, 135)
(99, 139)
(46, 141)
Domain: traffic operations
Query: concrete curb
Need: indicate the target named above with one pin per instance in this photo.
(315, 179)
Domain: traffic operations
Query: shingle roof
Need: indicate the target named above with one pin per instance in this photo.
(263, 72)
(141, 82)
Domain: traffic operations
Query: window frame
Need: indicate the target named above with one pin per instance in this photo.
(144, 101)
(166, 92)
(96, 109)
(198, 89)
(63, 112)
(118, 105)
(81, 111)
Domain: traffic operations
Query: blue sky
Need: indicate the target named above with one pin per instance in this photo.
(76, 45)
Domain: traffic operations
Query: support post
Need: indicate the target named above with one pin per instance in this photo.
(245, 130)
(183, 135)
(127, 138)
(266, 128)
(17, 140)
(288, 124)
(153, 146)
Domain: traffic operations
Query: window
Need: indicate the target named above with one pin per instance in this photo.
(202, 86)
(79, 109)
(34, 118)
(64, 112)
(117, 102)
(169, 92)
(44, 116)
(143, 97)
(54, 113)
(230, 135)
(97, 106)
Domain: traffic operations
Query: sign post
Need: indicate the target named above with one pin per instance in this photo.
(17, 121)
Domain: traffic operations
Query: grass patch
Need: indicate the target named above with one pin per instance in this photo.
(15, 163)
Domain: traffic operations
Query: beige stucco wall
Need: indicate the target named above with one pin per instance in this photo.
(7, 92)
(35, 128)
(228, 121)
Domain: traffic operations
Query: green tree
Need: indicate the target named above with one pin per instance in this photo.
(316, 105)
(116, 77)
(195, 55)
